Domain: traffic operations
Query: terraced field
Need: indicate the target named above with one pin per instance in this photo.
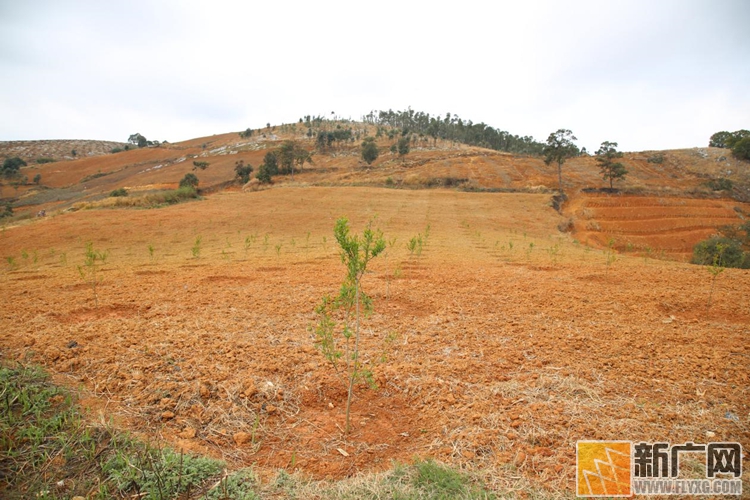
(649, 224)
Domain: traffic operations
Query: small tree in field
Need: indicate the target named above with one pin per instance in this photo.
(349, 306)
(242, 172)
(559, 148)
(290, 154)
(716, 268)
(88, 271)
(611, 169)
(369, 150)
(403, 146)
(190, 180)
(268, 168)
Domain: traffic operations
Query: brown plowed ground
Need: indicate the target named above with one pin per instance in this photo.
(512, 340)
(651, 225)
(429, 164)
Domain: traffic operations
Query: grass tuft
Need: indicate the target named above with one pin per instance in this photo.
(48, 450)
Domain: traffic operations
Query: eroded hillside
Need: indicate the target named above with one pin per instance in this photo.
(667, 180)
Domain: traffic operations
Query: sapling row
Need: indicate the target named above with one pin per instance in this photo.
(418, 242)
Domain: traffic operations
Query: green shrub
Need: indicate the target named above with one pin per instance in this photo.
(116, 150)
(11, 166)
(741, 149)
(728, 252)
(370, 150)
(720, 184)
(264, 174)
(403, 146)
(175, 195)
(189, 181)
(42, 161)
(119, 192)
(657, 158)
(242, 172)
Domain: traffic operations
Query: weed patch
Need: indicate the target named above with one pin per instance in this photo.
(49, 451)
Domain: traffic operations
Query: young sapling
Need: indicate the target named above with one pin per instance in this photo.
(340, 318)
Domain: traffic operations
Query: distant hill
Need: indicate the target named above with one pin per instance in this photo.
(432, 163)
(31, 151)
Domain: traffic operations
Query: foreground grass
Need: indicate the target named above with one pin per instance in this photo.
(49, 451)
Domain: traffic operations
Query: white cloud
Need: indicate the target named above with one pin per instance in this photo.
(648, 75)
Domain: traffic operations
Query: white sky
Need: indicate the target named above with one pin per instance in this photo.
(648, 74)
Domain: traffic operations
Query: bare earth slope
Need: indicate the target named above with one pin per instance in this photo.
(58, 150)
(513, 340)
(646, 216)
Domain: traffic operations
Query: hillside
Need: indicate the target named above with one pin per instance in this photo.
(658, 179)
(512, 341)
(58, 150)
(507, 334)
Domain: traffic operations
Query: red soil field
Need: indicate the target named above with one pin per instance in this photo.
(513, 340)
(651, 225)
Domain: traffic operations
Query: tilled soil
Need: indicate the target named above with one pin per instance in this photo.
(512, 341)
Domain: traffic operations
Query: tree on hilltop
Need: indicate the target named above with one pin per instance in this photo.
(559, 148)
(738, 141)
(610, 169)
(741, 148)
(719, 139)
(138, 140)
(726, 139)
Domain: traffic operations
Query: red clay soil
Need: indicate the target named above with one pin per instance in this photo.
(512, 340)
(651, 225)
(429, 164)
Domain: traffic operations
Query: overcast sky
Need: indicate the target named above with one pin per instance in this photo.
(652, 74)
